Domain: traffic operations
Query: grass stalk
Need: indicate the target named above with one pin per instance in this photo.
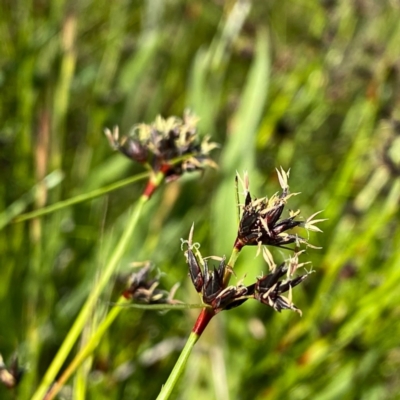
(179, 367)
(87, 349)
(87, 308)
(202, 322)
(80, 198)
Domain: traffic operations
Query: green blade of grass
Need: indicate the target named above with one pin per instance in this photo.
(80, 198)
(18, 206)
(239, 151)
(80, 321)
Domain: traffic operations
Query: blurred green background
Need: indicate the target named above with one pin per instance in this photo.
(309, 85)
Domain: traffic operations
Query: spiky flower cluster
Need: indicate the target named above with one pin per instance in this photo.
(260, 222)
(169, 145)
(11, 376)
(144, 289)
(210, 284)
(267, 289)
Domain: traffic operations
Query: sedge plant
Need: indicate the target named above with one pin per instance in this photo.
(260, 224)
(167, 148)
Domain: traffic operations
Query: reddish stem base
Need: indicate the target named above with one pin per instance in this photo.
(150, 189)
(202, 321)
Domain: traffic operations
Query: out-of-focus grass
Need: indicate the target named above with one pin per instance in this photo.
(313, 86)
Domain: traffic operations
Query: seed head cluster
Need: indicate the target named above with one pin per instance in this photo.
(261, 224)
(144, 288)
(169, 145)
(268, 289)
(10, 376)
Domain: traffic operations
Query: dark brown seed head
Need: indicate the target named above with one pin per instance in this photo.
(170, 145)
(261, 223)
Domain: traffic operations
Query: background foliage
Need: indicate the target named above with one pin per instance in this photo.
(310, 85)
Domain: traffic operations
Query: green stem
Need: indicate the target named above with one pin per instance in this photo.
(165, 307)
(231, 264)
(87, 349)
(87, 308)
(18, 206)
(202, 321)
(179, 367)
(80, 198)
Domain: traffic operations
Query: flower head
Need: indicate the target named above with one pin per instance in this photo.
(11, 376)
(261, 223)
(267, 289)
(144, 289)
(170, 145)
(210, 283)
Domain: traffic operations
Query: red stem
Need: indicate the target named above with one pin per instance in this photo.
(238, 244)
(202, 321)
(152, 184)
(150, 189)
